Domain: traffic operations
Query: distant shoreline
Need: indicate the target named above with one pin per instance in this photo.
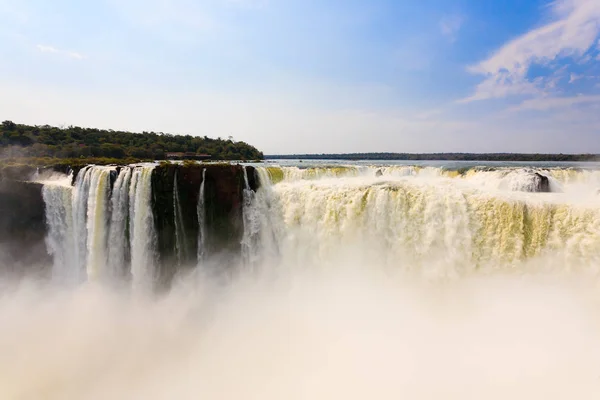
(440, 157)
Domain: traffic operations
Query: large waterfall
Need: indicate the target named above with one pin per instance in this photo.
(97, 221)
(118, 243)
(343, 281)
(416, 219)
(92, 226)
(61, 241)
(428, 220)
(142, 235)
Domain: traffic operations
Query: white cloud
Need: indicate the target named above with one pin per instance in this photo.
(574, 31)
(503, 85)
(74, 54)
(550, 103)
(51, 49)
(47, 49)
(450, 25)
(574, 77)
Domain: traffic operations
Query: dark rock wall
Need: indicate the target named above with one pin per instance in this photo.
(541, 182)
(223, 205)
(22, 226)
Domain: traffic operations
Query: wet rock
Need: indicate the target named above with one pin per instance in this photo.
(22, 226)
(541, 183)
(223, 191)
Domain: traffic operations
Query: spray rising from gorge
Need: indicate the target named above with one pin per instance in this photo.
(316, 282)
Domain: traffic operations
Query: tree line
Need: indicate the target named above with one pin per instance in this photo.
(19, 140)
(441, 157)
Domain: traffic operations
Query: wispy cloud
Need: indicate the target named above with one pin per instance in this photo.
(551, 103)
(53, 50)
(450, 25)
(47, 49)
(574, 31)
(574, 77)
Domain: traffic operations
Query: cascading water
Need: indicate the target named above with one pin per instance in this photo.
(418, 219)
(97, 222)
(141, 228)
(266, 222)
(181, 243)
(98, 233)
(201, 211)
(498, 178)
(438, 225)
(342, 320)
(59, 219)
(80, 213)
(250, 248)
(118, 238)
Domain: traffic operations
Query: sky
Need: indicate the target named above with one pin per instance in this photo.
(308, 76)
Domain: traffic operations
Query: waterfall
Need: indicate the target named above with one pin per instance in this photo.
(260, 237)
(91, 230)
(59, 220)
(181, 243)
(249, 217)
(435, 226)
(201, 210)
(97, 222)
(118, 238)
(80, 211)
(141, 228)
(425, 220)
(268, 216)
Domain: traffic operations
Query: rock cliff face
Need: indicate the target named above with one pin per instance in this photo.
(541, 183)
(223, 191)
(22, 227)
(175, 194)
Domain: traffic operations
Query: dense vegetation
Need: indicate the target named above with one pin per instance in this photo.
(441, 156)
(17, 140)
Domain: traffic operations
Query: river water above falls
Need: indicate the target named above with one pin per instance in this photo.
(312, 280)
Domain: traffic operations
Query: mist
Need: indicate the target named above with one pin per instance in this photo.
(420, 285)
(347, 332)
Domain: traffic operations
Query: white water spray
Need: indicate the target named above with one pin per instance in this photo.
(97, 222)
(118, 238)
(59, 219)
(141, 228)
(80, 211)
(201, 211)
(335, 316)
(436, 225)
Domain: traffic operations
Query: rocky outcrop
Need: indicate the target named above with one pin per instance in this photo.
(541, 183)
(22, 226)
(223, 205)
(526, 181)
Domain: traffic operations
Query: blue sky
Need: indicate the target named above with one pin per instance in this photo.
(295, 76)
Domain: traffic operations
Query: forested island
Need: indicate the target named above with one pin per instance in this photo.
(73, 142)
(440, 157)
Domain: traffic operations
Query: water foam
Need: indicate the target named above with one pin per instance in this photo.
(419, 285)
(317, 335)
